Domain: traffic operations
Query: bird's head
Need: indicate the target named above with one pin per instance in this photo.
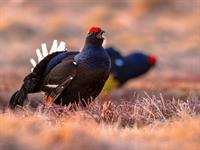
(141, 62)
(95, 36)
(142, 59)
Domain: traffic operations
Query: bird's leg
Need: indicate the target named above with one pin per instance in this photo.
(49, 100)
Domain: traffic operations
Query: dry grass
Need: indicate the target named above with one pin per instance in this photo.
(148, 123)
(38, 132)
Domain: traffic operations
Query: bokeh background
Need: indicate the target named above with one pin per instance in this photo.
(168, 29)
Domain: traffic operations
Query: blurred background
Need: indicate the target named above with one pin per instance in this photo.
(167, 29)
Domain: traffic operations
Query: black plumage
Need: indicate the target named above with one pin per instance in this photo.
(87, 71)
(131, 66)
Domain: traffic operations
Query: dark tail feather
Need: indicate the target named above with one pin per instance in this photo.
(17, 98)
(13, 101)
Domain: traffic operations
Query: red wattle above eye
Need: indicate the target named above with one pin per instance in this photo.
(152, 59)
(95, 29)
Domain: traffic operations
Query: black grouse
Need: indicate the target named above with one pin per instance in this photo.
(68, 77)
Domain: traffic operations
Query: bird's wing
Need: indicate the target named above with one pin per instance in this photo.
(57, 59)
(60, 77)
(43, 52)
(57, 91)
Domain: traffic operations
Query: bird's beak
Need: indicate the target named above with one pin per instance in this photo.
(100, 34)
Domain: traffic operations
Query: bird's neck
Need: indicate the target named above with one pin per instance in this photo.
(89, 50)
(91, 47)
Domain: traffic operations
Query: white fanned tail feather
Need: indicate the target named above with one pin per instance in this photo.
(43, 52)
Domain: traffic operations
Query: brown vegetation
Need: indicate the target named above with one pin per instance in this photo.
(149, 123)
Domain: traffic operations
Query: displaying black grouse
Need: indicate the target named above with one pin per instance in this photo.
(69, 77)
(130, 66)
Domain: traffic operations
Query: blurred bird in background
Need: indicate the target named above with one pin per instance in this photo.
(128, 67)
(68, 77)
